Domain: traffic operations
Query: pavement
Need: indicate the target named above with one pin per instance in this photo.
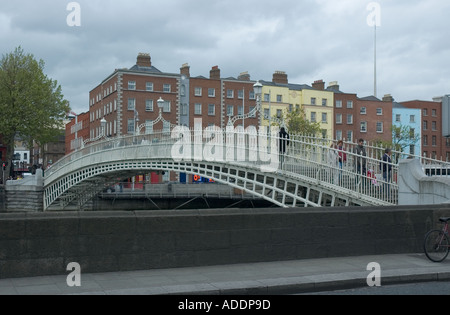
(263, 278)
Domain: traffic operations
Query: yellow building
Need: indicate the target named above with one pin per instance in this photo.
(279, 97)
(318, 105)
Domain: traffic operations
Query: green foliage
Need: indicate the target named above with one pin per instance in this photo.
(297, 123)
(31, 104)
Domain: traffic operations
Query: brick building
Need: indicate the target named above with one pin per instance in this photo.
(434, 142)
(77, 131)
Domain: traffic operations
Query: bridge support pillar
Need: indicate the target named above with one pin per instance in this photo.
(415, 188)
(25, 195)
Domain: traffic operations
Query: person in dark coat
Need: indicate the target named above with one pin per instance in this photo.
(283, 143)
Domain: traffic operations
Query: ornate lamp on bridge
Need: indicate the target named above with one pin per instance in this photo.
(149, 125)
(257, 88)
(102, 134)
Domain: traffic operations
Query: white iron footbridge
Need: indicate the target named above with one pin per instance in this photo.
(307, 174)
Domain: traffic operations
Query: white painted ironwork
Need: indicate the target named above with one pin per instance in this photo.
(307, 174)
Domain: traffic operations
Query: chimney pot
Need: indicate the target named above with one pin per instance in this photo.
(144, 60)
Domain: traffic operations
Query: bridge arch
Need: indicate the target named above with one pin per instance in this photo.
(304, 178)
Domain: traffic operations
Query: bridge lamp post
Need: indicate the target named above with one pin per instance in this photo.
(103, 126)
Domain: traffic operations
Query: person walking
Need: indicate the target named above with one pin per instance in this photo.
(361, 160)
(342, 158)
(386, 169)
(283, 143)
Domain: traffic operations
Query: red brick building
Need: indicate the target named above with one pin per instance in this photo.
(434, 144)
(77, 131)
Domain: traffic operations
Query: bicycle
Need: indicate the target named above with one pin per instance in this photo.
(436, 244)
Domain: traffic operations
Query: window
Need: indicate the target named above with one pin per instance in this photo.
(379, 126)
(211, 92)
(149, 86)
(198, 91)
(279, 113)
(132, 85)
(230, 93)
(425, 140)
(313, 101)
(433, 113)
(197, 109)
(433, 141)
(379, 111)
(279, 98)
(149, 105)
(252, 95)
(350, 135)
(324, 102)
(412, 118)
(230, 110)
(434, 126)
(166, 128)
(425, 112)
(338, 134)
(266, 97)
(339, 104)
(240, 94)
(184, 109)
(240, 110)
(363, 111)
(167, 88)
(412, 133)
(349, 119)
(349, 104)
(363, 126)
(425, 125)
(148, 127)
(338, 119)
(313, 117)
(211, 109)
(166, 107)
(266, 113)
(130, 125)
(131, 103)
(412, 149)
(291, 108)
(324, 118)
(398, 118)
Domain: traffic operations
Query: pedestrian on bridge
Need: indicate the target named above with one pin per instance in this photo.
(283, 143)
(386, 169)
(361, 161)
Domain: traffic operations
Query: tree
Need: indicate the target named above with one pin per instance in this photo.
(31, 104)
(297, 123)
(402, 138)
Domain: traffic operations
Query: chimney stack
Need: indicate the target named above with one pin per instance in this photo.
(185, 70)
(388, 98)
(319, 85)
(144, 60)
(280, 77)
(244, 76)
(334, 86)
(214, 74)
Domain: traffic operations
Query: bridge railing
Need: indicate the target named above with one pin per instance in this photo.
(313, 159)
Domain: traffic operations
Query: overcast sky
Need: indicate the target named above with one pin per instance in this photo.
(308, 39)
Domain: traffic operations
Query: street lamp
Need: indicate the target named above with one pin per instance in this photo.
(257, 88)
(160, 103)
(103, 123)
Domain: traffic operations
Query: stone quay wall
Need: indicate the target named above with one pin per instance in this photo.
(35, 244)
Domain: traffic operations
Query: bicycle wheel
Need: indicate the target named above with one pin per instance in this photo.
(436, 245)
